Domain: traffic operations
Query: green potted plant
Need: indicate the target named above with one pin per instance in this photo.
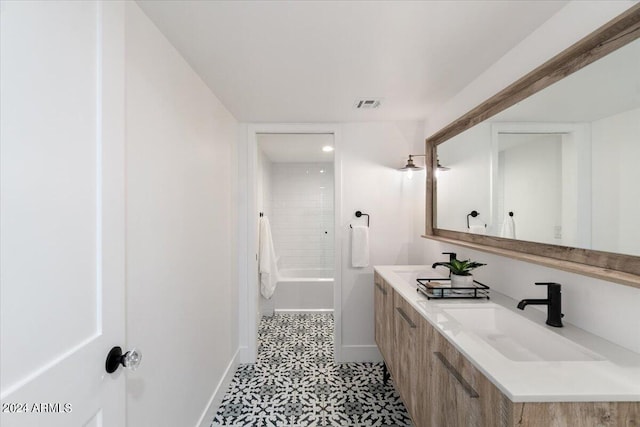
(461, 272)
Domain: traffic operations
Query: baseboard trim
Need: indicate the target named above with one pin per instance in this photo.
(303, 311)
(218, 394)
(359, 353)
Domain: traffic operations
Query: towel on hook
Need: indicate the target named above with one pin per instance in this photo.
(360, 246)
(508, 228)
(268, 266)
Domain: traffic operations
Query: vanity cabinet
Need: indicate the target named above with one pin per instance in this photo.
(408, 342)
(458, 395)
(383, 303)
(442, 388)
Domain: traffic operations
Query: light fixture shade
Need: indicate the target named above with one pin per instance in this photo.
(442, 168)
(410, 166)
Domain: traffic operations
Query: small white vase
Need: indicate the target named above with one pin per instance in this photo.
(461, 281)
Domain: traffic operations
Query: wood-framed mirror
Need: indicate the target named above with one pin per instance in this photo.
(566, 215)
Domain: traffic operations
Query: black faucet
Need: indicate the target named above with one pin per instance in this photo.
(553, 303)
(452, 256)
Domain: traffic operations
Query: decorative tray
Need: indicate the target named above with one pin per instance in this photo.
(434, 289)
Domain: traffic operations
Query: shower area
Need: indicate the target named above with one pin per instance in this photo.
(295, 193)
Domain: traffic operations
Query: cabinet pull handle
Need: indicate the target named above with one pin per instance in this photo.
(405, 317)
(453, 371)
(383, 290)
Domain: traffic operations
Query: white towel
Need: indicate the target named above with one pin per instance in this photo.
(508, 228)
(268, 261)
(360, 246)
(477, 229)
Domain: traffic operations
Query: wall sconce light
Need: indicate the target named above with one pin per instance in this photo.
(441, 168)
(410, 166)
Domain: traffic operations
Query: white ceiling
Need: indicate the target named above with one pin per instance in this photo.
(306, 148)
(309, 61)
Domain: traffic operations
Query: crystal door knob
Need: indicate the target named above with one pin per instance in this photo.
(130, 360)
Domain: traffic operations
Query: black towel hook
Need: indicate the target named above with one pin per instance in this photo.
(358, 215)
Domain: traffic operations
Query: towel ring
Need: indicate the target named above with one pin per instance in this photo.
(358, 215)
(472, 214)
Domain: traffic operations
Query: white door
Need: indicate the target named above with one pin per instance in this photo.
(62, 212)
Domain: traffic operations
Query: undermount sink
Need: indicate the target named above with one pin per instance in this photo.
(516, 337)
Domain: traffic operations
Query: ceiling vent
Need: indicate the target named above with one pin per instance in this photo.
(364, 104)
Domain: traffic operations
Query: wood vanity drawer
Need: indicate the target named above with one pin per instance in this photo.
(460, 395)
(407, 334)
(383, 303)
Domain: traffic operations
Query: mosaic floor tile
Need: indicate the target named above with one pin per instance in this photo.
(295, 382)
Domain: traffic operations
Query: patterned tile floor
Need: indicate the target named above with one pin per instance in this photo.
(295, 382)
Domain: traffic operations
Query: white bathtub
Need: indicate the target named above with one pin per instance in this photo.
(303, 290)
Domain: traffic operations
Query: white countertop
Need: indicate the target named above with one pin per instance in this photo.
(616, 377)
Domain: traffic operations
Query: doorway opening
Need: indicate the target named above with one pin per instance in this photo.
(311, 252)
(295, 199)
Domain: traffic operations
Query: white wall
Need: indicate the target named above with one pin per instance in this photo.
(466, 187)
(302, 214)
(370, 155)
(616, 175)
(263, 204)
(249, 311)
(537, 202)
(181, 280)
(606, 309)
(264, 186)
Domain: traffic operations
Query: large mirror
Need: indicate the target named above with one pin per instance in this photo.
(553, 173)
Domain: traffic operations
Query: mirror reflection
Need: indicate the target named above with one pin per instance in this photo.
(564, 162)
